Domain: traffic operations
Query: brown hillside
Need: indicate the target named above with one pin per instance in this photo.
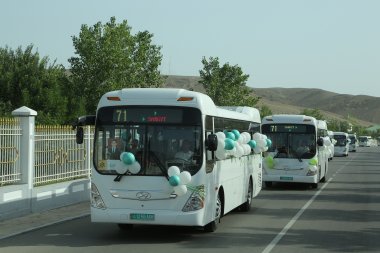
(364, 110)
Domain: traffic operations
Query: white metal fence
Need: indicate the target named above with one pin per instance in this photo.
(10, 132)
(57, 157)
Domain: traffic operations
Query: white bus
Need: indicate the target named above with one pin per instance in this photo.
(175, 177)
(296, 154)
(365, 141)
(342, 144)
(324, 133)
(353, 142)
(333, 142)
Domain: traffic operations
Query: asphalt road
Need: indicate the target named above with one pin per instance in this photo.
(342, 215)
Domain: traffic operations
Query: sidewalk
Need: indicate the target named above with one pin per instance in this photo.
(34, 221)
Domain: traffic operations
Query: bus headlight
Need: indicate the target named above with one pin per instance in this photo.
(312, 171)
(96, 199)
(195, 202)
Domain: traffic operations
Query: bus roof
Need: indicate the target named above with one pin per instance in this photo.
(176, 97)
(341, 133)
(289, 119)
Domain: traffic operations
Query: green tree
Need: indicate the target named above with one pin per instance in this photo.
(265, 111)
(28, 80)
(110, 58)
(313, 113)
(226, 85)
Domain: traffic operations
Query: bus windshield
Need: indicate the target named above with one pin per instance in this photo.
(341, 140)
(291, 140)
(158, 138)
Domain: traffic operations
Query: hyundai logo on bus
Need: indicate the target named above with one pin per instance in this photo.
(143, 195)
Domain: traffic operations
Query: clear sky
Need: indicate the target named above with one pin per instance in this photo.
(328, 44)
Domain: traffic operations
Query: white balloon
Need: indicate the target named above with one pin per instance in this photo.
(134, 168)
(220, 145)
(261, 143)
(256, 136)
(185, 177)
(239, 151)
(121, 169)
(220, 154)
(180, 189)
(241, 139)
(220, 135)
(257, 149)
(247, 149)
(248, 136)
(173, 170)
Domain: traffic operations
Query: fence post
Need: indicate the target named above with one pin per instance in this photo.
(27, 119)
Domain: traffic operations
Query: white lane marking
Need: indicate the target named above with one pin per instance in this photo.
(283, 232)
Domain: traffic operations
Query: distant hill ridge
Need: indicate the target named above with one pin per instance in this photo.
(365, 109)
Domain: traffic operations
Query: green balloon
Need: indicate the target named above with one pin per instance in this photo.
(270, 161)
(313, 161)
(269, 158)
(174, 180)
(229, 144)
(252, 144)
(128, 158)
(236, 133)
(230, 135)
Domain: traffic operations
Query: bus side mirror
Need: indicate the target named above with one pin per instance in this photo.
(212, 142)
(79, 135)
(320, 142)
(79, 123)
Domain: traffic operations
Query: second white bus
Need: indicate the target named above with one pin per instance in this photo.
(296, 154)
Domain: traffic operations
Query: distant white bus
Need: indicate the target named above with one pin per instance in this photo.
(174, 176)
(342, 144)
(365, 141)
(296, 154)
(354, 142)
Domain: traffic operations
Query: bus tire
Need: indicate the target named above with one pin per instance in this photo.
(246, 206)
(314, 185)
(323, 179)
(213, 225)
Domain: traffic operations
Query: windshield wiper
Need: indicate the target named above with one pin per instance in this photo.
(158, 162)
(118, 177)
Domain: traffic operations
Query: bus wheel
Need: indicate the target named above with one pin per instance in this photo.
(314, 185)
(323, 179)
(213, 225)
(123, 226)
(246, 206)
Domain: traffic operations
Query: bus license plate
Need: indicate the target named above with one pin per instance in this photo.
(141, 216)
(286, 178)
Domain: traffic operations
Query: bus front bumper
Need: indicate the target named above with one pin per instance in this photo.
(149, 217)
(290, 178)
